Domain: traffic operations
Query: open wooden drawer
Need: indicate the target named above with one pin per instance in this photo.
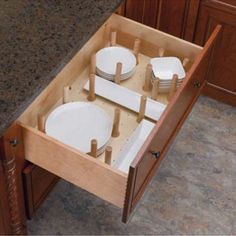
(121, 189)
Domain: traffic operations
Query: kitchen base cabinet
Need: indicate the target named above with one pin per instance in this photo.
(222, 74)
(121, 189)
(92, 174)
(177, 19)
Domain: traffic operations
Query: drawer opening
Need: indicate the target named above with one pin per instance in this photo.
(108, 182)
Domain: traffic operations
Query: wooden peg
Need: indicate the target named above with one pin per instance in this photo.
(94, 146)
(136, 49)
(142, 108)
(155, 89)
(185, 62)
(91, 95)
(161, 52)
(93, 64)
(173, 87)
(108, 155)
(116, 123)
(107, 44)
(113, 38)
(41, 123)
(148, 76)
(107, 33)
(66, 94)
(118, 73)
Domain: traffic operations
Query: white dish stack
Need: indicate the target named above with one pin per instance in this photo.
(107, 59)
(164, 68)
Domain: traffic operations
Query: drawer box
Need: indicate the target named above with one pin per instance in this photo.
(121, 189)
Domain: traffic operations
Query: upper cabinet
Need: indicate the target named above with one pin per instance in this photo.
(194, 20)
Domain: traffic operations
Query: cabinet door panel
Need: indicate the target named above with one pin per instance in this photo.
(177, 18)
(144, 11)
(37, 185)
(222, 76)
(172, 17)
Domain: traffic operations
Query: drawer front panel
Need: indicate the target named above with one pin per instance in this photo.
(145, 164)
(76, 167)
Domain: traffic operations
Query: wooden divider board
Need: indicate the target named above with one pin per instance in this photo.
(128, 121)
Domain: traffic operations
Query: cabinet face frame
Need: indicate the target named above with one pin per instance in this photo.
(87, 172)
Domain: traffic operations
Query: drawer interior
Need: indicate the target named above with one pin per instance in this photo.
(71, 164)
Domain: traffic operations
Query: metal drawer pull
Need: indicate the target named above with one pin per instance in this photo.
(197, 84)
(14, 142)
(155, 154)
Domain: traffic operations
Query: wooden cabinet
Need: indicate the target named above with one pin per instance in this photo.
(194, 20)
(142, 11)
(24, 142)
(222, 75)
(176, 18)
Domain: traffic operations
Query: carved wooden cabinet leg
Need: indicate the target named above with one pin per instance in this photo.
(11, 181)
(12, 162)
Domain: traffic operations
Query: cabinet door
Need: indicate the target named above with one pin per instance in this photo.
(222, 75)
(176, 18)
(37, 185)
(143, 11)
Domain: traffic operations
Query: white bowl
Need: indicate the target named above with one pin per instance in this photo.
(107, 58)
(77, 123)
(165, 67)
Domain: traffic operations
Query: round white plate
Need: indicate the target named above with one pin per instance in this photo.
(107, 58)
(77, 123)
(112, 77)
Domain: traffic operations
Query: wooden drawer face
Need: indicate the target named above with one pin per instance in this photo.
(144, 167)
(92, 174)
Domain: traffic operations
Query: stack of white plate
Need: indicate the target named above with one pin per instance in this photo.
(77, 123)
(107, 59)
(164, 68)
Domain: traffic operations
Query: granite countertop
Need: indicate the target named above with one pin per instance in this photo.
(37, 40)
